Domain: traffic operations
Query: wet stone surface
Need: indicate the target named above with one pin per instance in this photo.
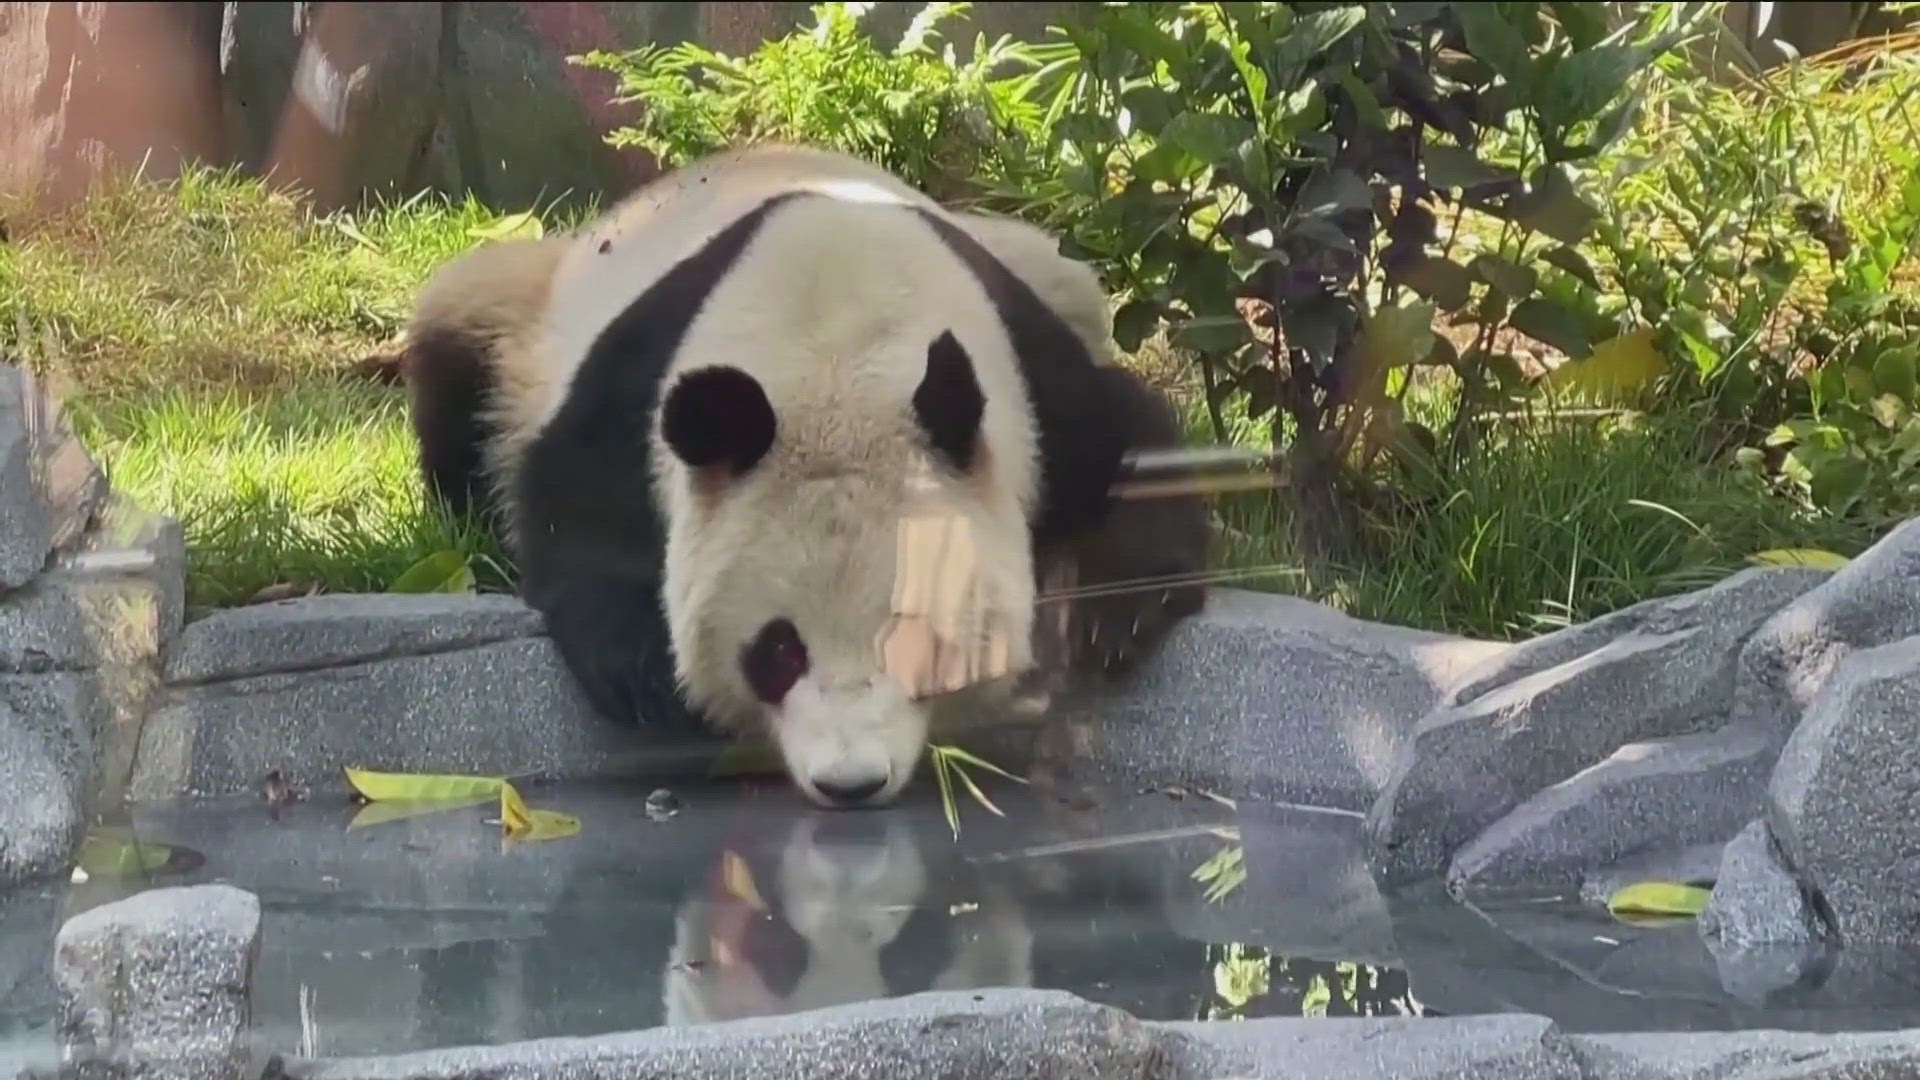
(388, 937)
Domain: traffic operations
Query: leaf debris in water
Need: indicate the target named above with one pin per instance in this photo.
(423, 793)
(1658, 901)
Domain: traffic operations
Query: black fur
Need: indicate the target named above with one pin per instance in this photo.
(1088, 416)
(1138, 541)
(718, 415)
(590, 542)
(948, 402)
(448, 383)
(1073, 409)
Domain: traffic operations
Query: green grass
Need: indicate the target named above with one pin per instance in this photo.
(206, 328)
(1551, 523)
(308, 486)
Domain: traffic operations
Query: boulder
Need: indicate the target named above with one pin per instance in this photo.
(79, 649)
(1873, 600)
(48, 761)
(1501, 1047)
(87, 89)
(1551, 707)
(1005, 1034)
(463, 684)
(1668, 794)
(157, 985)
(539, 133)
(49, 484)
(1842, 797)
(334, 631)
(337, 100)
(1759, 924)
(1269, 698)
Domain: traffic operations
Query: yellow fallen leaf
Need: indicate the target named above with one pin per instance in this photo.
(382, 813)
(526, 825)
(739, 881)
(1657, 898)
(1809, 557)
(421, 787)
(397, 796)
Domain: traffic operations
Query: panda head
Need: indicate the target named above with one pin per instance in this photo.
(792, 499)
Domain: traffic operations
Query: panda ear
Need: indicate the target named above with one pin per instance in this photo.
(948, 403)
(718, 416)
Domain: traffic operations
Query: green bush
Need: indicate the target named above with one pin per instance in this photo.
(924, 114)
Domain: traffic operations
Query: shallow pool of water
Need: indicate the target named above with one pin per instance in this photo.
(429, 931)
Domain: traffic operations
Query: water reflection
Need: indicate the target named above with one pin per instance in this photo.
(846, 909)
(423, 932)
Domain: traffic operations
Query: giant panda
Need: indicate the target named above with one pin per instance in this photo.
(696, 421)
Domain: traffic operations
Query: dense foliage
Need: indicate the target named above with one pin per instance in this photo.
(1405, 242)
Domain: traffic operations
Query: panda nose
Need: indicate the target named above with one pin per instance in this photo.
(849, 792)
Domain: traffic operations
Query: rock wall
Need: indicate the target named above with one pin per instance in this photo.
(345, 100)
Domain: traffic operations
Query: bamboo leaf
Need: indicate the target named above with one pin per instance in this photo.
(421, 787)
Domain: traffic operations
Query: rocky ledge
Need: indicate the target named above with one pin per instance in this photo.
(156, 985)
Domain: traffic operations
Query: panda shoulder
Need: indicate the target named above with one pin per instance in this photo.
(1068, 286)
(489, 294)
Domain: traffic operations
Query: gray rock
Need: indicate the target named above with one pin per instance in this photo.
(334, 631)
(48, 763)
(157, 984)
(533, 126)
(1842, 797)
(1271, 698)
(1763, 933)
(79, 649)
(1756, 900)
(1509, 1047)
(1873, 600)
(1006, 1034)
(49, 484)
(1562, 703)
(504, 708)
(1687, 790)
(1749, 1055)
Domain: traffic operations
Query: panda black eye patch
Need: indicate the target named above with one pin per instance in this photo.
(775, 660)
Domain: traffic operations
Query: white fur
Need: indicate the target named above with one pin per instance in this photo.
(831, 308)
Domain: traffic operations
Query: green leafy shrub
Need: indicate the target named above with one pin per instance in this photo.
(1282, 187)
(924, 114)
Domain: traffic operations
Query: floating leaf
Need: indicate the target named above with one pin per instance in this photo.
(421, 787)
(103, 856)
(737, 879)
(1658, 898)
(1809, 557)
(523, 824)
(441, 572)
(392, 810)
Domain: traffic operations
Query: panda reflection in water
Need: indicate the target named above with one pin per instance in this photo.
(845, 908)
(700, 420)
